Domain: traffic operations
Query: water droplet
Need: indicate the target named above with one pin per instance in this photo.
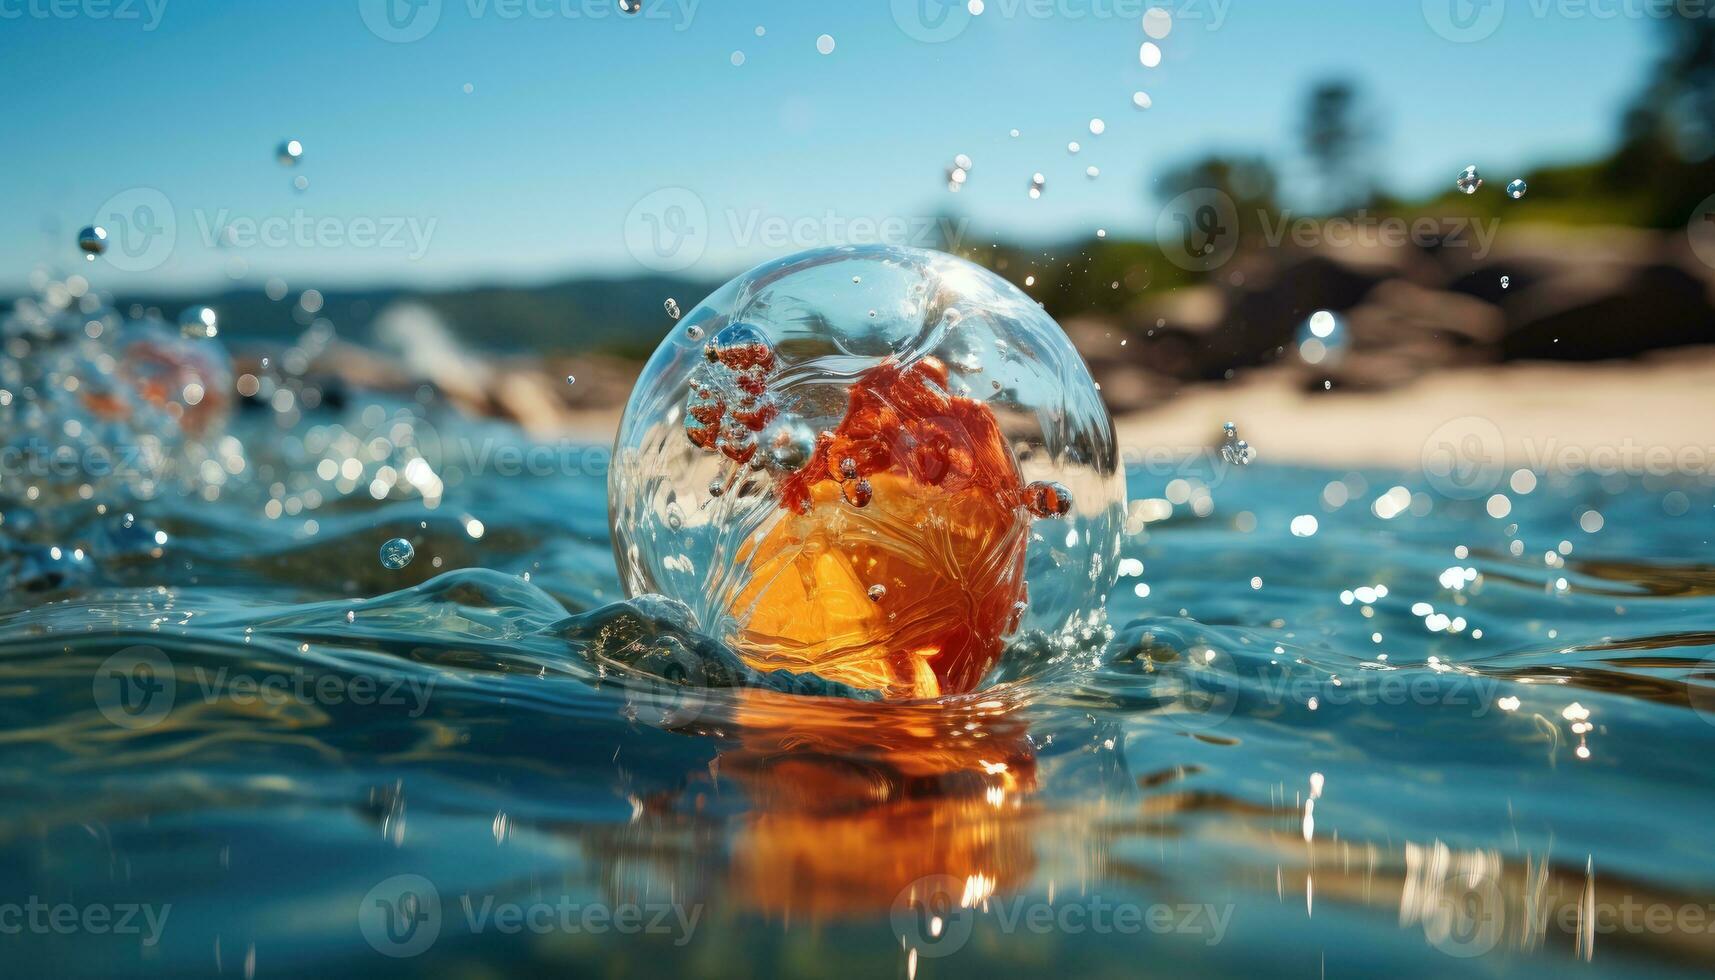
(396, 554)
(93, 240)
(1516, 188)
(1038, 184)
(289, 153)
(857, 492)
(1157, 22)
(716, 488)
(1013, 134)
(1092, 172)
(848, 469)
(630, 6)
(1045, 499)
(199, 323)
(760, 30)
(1097, 127)
(1506, 281)
(1149, 54)
(1141, 100)
(571, 380)
(1468, 180)
(350, 616)
(825, 44)
(737, 58)
(1073, 147)
(301, 182)
(1234, 450)
(672, 307)
(877, 592)
(694, 332)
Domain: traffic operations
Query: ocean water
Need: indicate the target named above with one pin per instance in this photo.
(234, 744)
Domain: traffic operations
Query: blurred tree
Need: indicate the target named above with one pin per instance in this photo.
(1666, 158)
(1250, 181)
(1337, 140)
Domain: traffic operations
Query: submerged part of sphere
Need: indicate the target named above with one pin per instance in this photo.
(865, 422)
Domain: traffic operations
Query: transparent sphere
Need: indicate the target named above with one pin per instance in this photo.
(190, 380)
(876, 464)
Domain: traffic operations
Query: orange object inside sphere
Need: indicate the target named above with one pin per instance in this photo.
(897, 562)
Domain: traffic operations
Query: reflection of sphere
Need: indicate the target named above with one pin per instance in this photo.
(1322, 340)
(188, 379)
(852, 417)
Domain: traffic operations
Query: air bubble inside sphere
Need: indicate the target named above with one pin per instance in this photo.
(856, 417)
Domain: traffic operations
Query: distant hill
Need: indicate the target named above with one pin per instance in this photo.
(623, 317)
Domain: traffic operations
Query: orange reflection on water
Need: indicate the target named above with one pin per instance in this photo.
(854, 804)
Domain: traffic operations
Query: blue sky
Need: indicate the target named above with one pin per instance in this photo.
(576, 114)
